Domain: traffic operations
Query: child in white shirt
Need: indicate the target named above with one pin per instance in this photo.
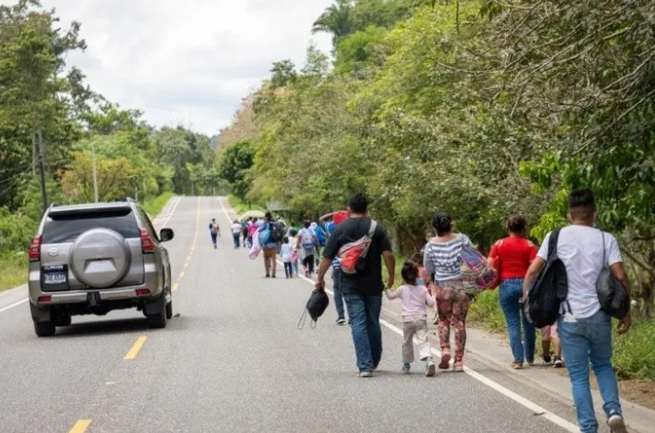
(414, 299)
(286, 251)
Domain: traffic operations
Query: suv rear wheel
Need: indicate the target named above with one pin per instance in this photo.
(45, 329)
(169, 310)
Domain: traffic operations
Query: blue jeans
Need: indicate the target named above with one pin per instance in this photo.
(214, 238)
(511, 292)
(237, 239)
(364, 313)
(338, 296)
(584, 341)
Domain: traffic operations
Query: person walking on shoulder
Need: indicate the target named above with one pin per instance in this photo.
(511, 256)
(269, 245)
(443, 259)
(236, 233)
(286, 251)
(362, 290)
(415, 320)
(584, 329)
(214, 231)
(307, 244)
(330, 226)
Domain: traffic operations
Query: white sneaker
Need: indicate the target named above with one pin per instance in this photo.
(616, 424)
(365, 374)
(341, 321)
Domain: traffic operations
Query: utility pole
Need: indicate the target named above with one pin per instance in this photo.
(44, 193)
(95, 172)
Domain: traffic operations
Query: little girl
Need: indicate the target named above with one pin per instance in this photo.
(287, 251)
(414, 299)
(418, 259)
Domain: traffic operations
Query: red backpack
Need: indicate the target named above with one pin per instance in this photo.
(352, 256)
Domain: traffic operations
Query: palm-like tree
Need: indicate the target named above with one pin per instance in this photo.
(336, 20)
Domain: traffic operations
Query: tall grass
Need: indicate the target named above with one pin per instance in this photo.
(486, 311)
(13, 271)
(241, 206)
(153, 206)
(634, 352)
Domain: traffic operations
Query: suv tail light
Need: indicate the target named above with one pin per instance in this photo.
(147, 245)
(35, 250)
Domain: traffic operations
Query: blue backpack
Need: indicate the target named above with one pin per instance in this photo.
(320, 235)
(265, 235)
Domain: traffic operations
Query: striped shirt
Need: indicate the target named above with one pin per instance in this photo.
(444, 259)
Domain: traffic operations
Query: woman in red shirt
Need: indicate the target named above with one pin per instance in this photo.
(512, 257)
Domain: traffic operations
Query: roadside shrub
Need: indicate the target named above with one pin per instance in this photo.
(486, 311)
(16, 232)
(634, 352)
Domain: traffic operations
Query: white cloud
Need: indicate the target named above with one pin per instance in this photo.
(190, 61)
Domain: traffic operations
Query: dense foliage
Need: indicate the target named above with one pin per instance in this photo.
(480, 108)
(39, 92)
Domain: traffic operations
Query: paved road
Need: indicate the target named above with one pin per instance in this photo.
(233, 361)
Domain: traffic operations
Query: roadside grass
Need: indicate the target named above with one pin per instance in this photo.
(241, 206)
(634, 352)
(13, 270)
(486, 311)
(153, 206)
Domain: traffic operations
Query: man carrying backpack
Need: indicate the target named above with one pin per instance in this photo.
(270, 234)
(214, 231)
(361, 243)
(584, 329)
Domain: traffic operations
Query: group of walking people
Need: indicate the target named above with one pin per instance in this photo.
(581, 336)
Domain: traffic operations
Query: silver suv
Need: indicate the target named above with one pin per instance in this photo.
(94, 258)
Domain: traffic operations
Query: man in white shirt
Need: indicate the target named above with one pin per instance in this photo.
(236, 233)
(586, 331)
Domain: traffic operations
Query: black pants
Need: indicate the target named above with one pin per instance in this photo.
(308, 262)
(288, 269)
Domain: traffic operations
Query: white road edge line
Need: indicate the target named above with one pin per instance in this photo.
(172, 212)
(15, 304)
(534, 407)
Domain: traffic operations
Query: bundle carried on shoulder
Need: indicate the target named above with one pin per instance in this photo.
(477, 273)
(352, 256)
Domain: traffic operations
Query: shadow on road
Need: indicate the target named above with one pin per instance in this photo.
(117, 326)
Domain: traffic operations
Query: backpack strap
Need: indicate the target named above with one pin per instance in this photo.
(371, 232)
(552, 244)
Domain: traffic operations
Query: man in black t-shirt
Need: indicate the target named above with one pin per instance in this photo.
(362, 291)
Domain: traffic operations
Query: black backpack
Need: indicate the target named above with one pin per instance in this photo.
(277, 231)
(549, 290)
(316, 306)
(612, 294)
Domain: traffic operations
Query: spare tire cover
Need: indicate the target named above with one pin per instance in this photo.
(100, 258)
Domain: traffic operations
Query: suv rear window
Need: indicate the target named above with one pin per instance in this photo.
(66, 228)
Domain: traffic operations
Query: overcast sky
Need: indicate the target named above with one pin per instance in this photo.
(187, 61)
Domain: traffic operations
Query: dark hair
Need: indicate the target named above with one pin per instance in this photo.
(442, 223)
(417, 258)
(268, 216)
(409, 272)
(293, 232)
(286, 240)
(358, 204)
(582, 203)
(517, 224)
(307, 224)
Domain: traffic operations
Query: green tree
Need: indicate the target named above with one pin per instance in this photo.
(234, 165)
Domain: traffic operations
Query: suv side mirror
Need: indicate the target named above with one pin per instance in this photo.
(166, 235)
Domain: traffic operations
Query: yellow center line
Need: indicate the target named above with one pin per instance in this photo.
(134, 351)
(80, 426)
(175, 287)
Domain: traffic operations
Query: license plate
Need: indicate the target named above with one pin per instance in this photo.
(55, 278)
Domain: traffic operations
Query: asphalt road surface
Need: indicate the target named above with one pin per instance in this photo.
(234, 361)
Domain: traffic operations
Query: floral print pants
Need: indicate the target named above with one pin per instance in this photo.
(453, 305)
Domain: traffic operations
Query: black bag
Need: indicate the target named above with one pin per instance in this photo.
(549, 290)
(316, 306)
(277, 231)
(612, 294)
